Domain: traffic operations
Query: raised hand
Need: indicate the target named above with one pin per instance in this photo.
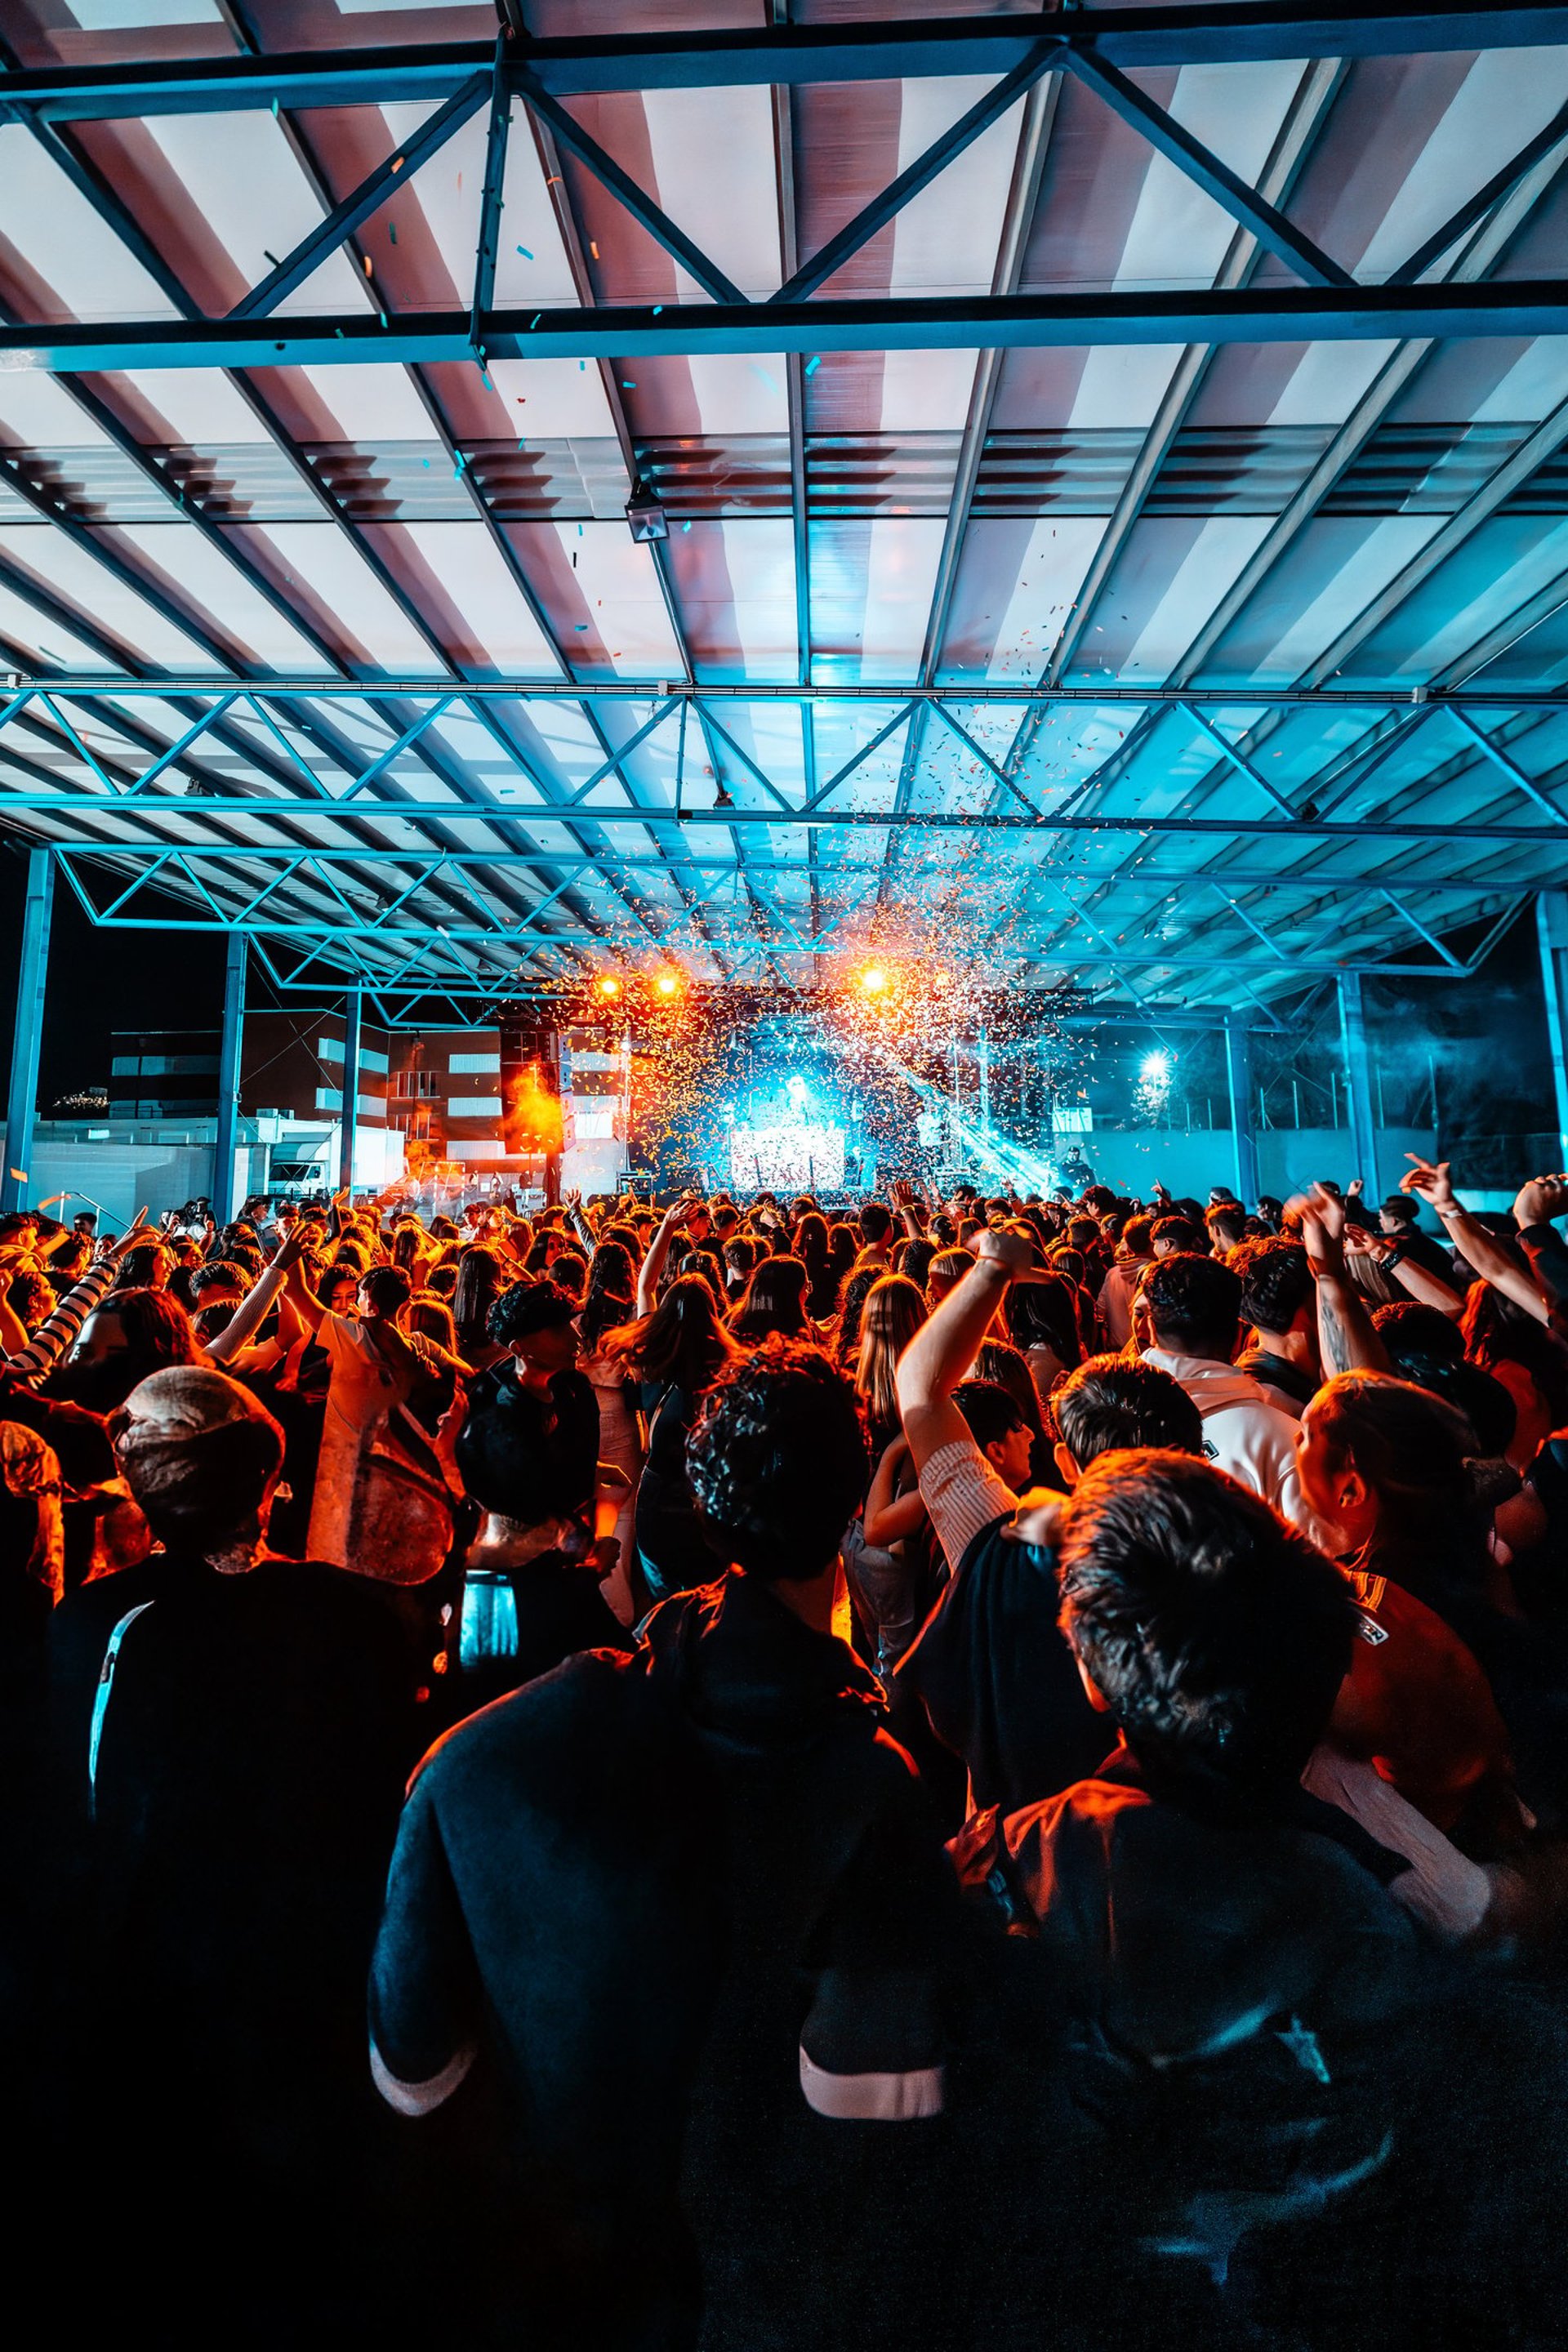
(1429, 1180)
(1009, 1251)
(1543, 1198)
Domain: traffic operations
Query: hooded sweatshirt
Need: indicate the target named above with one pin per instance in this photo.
(1245, 1432)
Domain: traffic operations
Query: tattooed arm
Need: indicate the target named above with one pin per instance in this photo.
(1346, 1339)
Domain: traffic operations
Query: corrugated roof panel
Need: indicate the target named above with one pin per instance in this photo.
(70, 572)
(734, 583)
(1501, 565)
(340, 582)
(80, 269)
(872, 586)
(495, 627)
(627, 624)
(1018, 585)
(245, 185)
(1336, 567)
(1170, 577)
(196, 574)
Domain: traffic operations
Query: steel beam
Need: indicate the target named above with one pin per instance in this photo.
(1552, 935)
(230, 1059)
(899, 47)
(1019, 693)
(1239, 1073)
(28, 1035)
(66, 806)
(1510, 307)
(353, 1019)
(1358, 1081)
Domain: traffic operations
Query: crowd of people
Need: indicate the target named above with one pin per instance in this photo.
(949, 1769)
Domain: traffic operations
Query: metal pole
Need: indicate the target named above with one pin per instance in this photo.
(1551, 931)
(353, 1012)
(1238, 1068)
(226, 1147)
(21, 1102)
(1358, 1081)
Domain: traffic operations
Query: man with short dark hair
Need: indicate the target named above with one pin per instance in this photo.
(1173, 1235)
(610, 1887)
(876, 1233)
(1134, 1250)
(1193, 1306)
(1279, 1310)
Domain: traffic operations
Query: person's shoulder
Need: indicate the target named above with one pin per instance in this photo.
(577, 1714)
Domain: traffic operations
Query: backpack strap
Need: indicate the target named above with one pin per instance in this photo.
(100, 1701)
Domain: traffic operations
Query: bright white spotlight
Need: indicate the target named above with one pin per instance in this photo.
(1156, 1069)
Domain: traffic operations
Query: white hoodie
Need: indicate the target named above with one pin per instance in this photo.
(1245, 1430)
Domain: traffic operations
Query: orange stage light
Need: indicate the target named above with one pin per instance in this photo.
(873, 980)
(667, 984)
(609, 987)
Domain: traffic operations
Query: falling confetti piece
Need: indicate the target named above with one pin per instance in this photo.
(813, 364)
(536, 317)
(686, 526)
(367, 265)
(626, 387)
(657, 309)
(392, 231)
(397, 166)
(592, 249)
(525, 253)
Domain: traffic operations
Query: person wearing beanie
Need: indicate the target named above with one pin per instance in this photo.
(234, 1728)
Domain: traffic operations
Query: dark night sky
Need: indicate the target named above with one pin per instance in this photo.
(100, 980)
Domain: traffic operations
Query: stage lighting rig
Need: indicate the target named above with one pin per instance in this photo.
(645, 515)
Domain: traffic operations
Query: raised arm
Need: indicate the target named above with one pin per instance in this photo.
(943, 1348)
(36, 1361)
(887, 1516)
(653, 1264)
(1537, 1203)
(1408, 1272)
(1346, 1339)
(251, 1312)
(298, 1293)
(907, 1202)
(1430, 1181)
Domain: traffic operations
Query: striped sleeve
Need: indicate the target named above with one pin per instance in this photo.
(54, 1336)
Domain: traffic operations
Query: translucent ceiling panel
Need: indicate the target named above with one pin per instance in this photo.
(1337, 565)
(371, 404)
(713, 153)
(734, 583)
(43, 641)
(1017, 584)
(553, 400)
(199, 407)
(1171, 576)
(71, 252)
(80, 581)
(499, 629)
(872, 586)
(191, 567)
(37, 412)
(1499, 568)
(619, 586)
(1505, 98)
(242, 176)
(337, 574)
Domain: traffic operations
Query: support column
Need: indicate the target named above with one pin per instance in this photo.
(22, 1100)
(225, 1148)
(353, 1013)
(1551, 931)
(1358, 1084)
(1238, 1069)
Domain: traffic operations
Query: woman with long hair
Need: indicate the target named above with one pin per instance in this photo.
(131, 1334)
(1042, 1325)
(482, 1275)
(674, 1354)
(1395, 1480)
(1529, 1361)
(893, 1312)
(773, 1300)
(851, 1307)
(822, 1278)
